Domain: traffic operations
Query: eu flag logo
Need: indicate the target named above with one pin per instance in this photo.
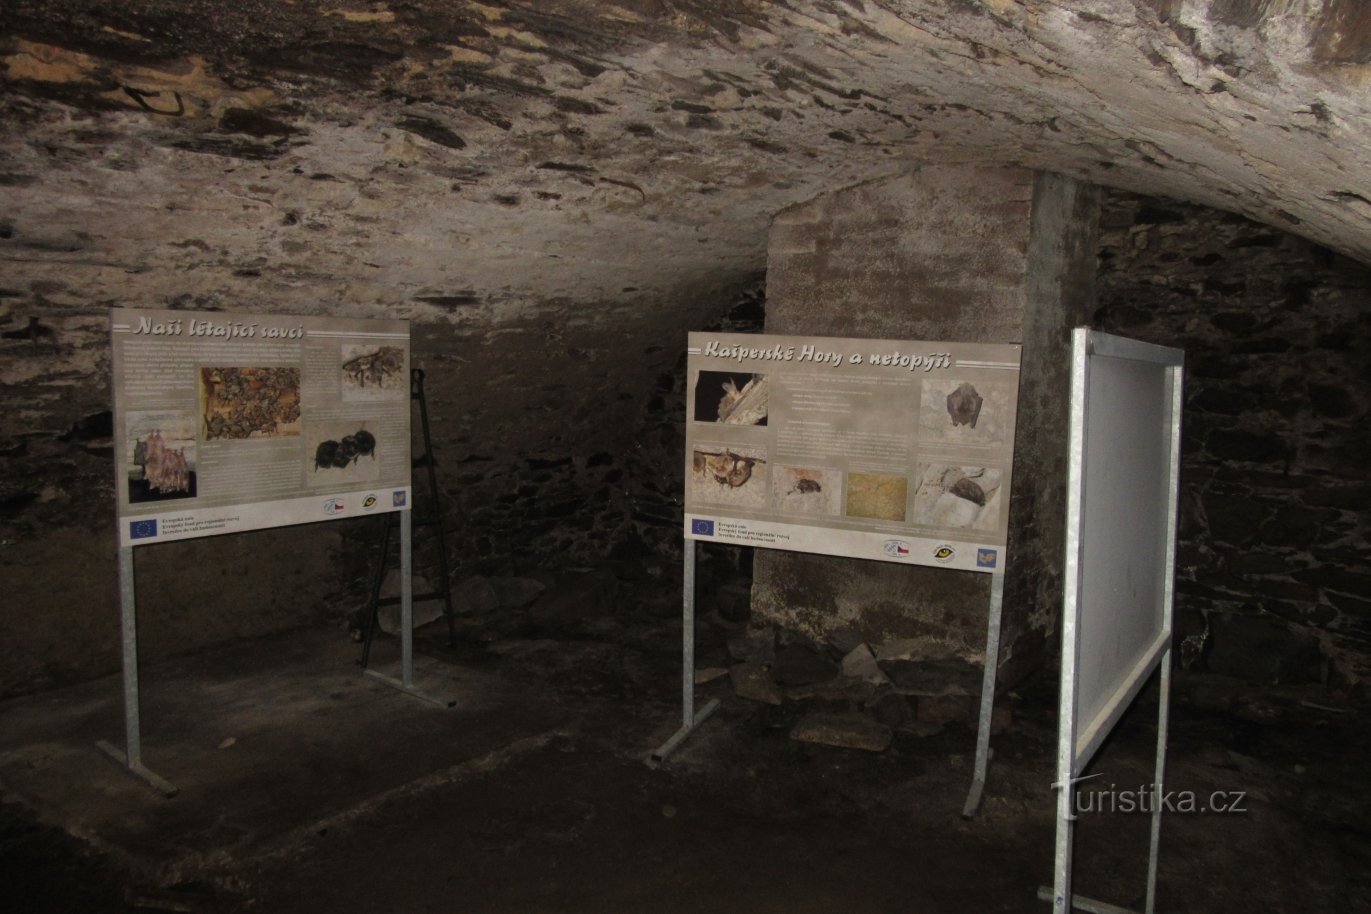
(702, 527)
(142, 529)
(986, 558)
(397, 499)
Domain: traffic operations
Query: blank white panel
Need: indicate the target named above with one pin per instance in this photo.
(1126, 529)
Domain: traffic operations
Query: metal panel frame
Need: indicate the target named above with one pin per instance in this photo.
(131, 756)
(1075, 748)
(690, 720)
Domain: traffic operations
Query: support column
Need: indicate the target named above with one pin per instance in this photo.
(967, 253)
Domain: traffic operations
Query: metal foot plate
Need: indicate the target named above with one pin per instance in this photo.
(1081, 903)
(411, 690)
(680, 735)
(137, 769)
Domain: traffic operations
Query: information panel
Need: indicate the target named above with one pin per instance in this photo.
(894, 450)
(229, 422)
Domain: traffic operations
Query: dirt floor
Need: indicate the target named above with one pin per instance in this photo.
(308, 787)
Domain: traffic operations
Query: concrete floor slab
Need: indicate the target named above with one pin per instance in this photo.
(307, 787)
(265, 741)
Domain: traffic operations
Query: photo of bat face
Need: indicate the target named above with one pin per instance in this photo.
(732, 398)
(955, 497)
(807, 490)
(957, 411)
(732, 475)
(964, 405)
(730, 469)
(341, 452)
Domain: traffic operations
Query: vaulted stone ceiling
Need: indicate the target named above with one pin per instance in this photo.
(470, 160)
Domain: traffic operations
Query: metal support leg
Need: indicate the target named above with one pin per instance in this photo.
(374, 604)
(407, 599)
(1061, 890)
(688, 633)
(1163, 722)
(689, 719)
(1059, 893)
(131, 757)
(992, 662)
(406, 681)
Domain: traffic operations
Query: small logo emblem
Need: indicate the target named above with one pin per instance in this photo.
(334, 506)
(897, 548)
(142, 529)
(702, 527)
(987, 558)
(944, 554)
(369, 502)
(397, 500)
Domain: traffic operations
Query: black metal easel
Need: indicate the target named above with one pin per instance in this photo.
(432, 518)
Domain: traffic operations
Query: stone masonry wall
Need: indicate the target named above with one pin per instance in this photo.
(558, 439)
(554, 446)
(1275, 492)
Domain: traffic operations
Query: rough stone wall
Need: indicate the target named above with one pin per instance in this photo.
(1275, 496)
(558, 440)
(583, 421)
(57, 534)
(509, 172)
(554, 445)
(959, 253)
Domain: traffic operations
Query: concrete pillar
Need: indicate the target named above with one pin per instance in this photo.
(965, 253)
